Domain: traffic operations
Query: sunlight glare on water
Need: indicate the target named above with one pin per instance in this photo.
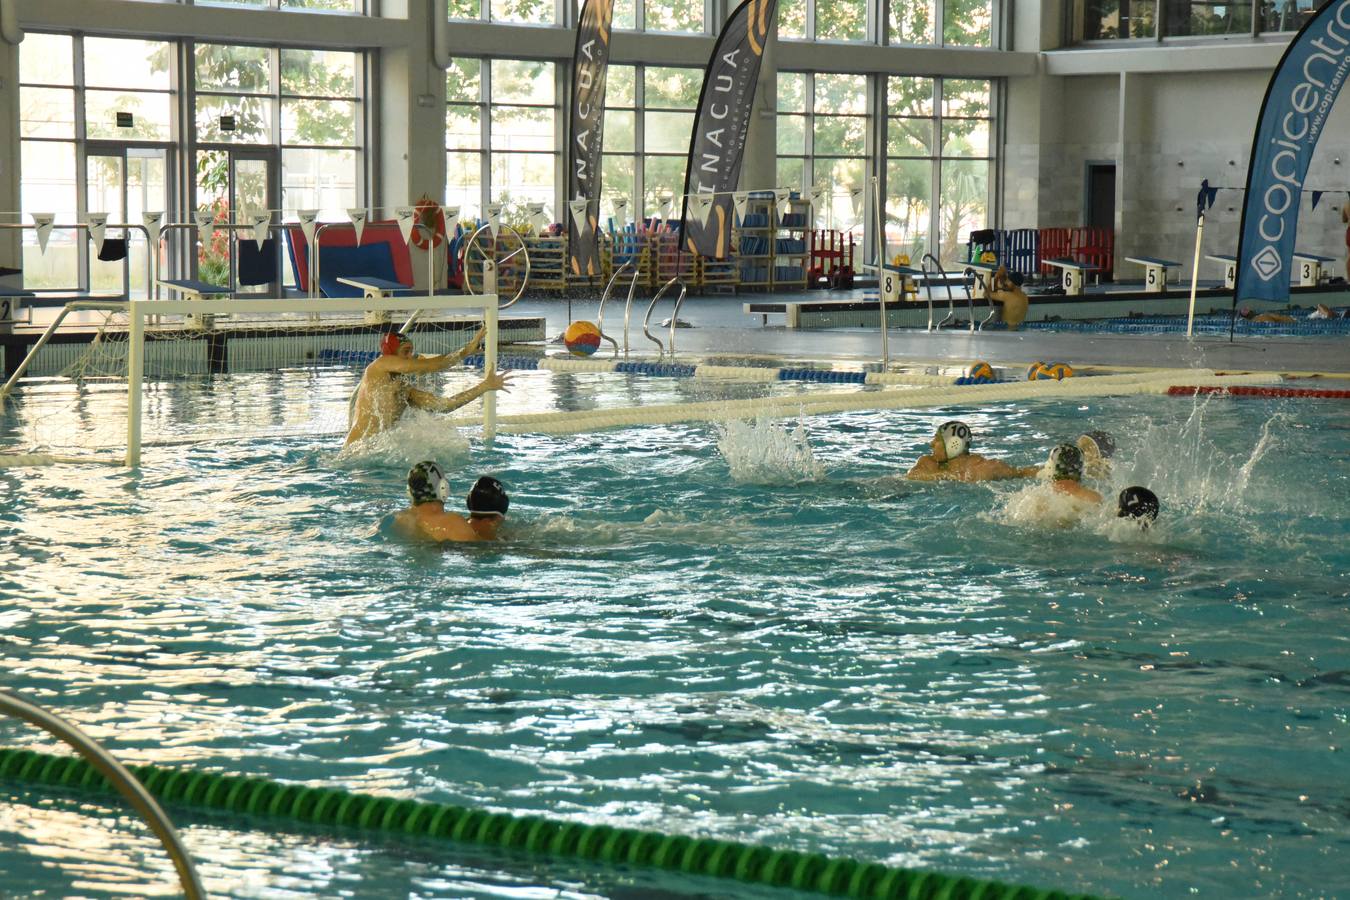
(758, 632)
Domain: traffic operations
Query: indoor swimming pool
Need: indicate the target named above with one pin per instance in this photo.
(753, 630)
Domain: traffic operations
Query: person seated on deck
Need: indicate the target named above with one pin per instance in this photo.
(1097, 447)
(951, 460)
(428, 520)
(1138, 503)
(1246, 313)
(1010, 297)
(1066, 473)
(383, 395)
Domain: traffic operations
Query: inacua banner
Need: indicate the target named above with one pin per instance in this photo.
(723, 118)
(1298, 101)
(590, 64)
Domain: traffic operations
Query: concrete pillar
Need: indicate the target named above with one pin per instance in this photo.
(410, 120)
(759, 168)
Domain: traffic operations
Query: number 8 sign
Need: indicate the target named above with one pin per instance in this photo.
(890, 287)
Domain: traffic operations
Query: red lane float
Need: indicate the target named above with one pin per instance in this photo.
(1180, 390)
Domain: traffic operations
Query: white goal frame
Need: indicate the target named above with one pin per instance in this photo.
(138, 312)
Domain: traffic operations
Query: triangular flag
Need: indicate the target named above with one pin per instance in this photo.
(741, 199)
(406, 216)
(204, 219)
(578, 209)
(494, 219)
(855, 195)
(152, 222)
(620, 205)
(43, 222)
(816, 193)
(1317, 198)
(307, 219)
(451, 214)
(358, 217)
(98, 224)
(262, 224)
(663, 213)
(781, 197)
(700, 205)
(535, 213)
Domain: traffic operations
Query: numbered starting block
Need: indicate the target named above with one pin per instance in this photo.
(897, 283)
(11, 306)
(375, 289)
(1155, 272)
(1310, 268)
(1229, 264)
(984, 275)
(1075, 273)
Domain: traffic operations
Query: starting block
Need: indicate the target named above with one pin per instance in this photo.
(984, 275)
(1229, 268)
(375, 289)
(193, 289)
(1155, 272)
(1310, 268)
(1074, 273)
(896, 282)
(11, 305)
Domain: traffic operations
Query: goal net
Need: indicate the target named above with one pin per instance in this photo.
(110, 378)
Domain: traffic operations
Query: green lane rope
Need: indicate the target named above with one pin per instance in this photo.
(599, 843)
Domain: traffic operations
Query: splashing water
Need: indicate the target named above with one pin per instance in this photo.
(762, 452)
(417, 435)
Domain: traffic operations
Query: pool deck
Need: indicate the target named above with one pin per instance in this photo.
(721, 328)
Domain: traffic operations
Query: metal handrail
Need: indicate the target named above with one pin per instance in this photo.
(967, 285)
(151, 259)
(223, 226)
(674, 316)
(628, 309)
(928, 287)
(600, 315)
(464, 262)
(117, 775)
(993, 308)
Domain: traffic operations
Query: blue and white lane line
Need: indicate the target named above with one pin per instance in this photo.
(679, 370)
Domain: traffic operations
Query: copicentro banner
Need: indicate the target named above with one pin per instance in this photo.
(718, 142)
(590, 64)
(1293, 113)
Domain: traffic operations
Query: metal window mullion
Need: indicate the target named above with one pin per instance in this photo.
(485, 132)
(639, 138)
(935, 184)
(809, 26)
(562, 100)
(82, 277)
(939, 32)
(367, 149)
(809, 121)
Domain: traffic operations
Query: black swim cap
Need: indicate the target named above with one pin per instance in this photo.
(488, 496)
(1066, 462)
(1106, 445)
(426, 483)
(1137, 503)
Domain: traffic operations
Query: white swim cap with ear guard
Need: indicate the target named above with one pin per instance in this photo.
(956, 438)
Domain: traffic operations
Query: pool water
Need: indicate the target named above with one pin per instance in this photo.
(755, 632)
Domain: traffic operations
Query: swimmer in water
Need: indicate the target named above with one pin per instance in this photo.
(1097, 447)
(1250, 316)
(1066, 473)
(428, 520)
(951, 460)
(383, 395)
(1138, 503)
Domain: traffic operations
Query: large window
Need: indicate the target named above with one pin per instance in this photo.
(668, 103)
(965, 23)
(679, 16)
(348, 6)
(502, 150)
(823, 140)
(1096, 20)
(116, 114)
(939, 153)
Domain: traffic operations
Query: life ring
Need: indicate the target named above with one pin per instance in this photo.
(428, 210)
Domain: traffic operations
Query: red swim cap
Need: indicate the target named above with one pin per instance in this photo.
(390, 343)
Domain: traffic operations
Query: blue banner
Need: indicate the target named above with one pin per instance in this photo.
(1297, 103)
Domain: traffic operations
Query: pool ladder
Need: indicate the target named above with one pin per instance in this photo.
(674, 316)
(118, 776)
(646, 320)
(627, 310)
(966, 279)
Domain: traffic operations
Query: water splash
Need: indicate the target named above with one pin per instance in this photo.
(763, 452)
(417, 435)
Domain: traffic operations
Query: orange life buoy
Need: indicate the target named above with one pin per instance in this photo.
(428, 213)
